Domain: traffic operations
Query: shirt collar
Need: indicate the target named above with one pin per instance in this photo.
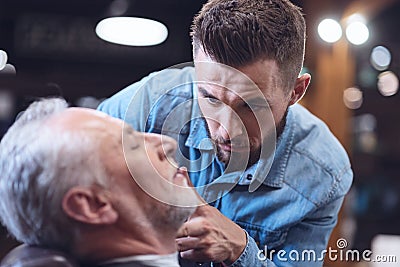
(283, 147)
(147, 260)
(276, 164)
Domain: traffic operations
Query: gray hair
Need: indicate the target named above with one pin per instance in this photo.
(38, 165)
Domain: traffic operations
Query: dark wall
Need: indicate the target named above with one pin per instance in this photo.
(55, 50)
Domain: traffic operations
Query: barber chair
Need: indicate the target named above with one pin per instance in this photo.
(31, 256)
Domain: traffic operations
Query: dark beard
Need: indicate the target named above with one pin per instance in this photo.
(255, 152)
(281, 125)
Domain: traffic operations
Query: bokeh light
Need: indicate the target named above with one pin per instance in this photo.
(132, 31)
(7, 104)
(3, 59)
(365, 123)
(8, 69)
(388, 83)
(353, 98)
(380, 58)
(368, 142)
(329, 30)
(119, 7)
(357, 32)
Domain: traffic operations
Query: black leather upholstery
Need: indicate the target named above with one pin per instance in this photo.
(30, 256)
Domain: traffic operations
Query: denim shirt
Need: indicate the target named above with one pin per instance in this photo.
(287, 204)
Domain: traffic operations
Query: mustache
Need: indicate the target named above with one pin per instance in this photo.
(237, 142)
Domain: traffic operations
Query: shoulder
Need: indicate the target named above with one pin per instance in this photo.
(149, 89)
(321, 161)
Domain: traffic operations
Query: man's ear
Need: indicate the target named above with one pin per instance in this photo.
(89, 205)
(300, 88)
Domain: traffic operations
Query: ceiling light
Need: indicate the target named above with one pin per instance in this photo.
(353, 98)
(356, 31)
(365, 123)
(132, 31)
(8, 69)
(3, 59)
(329, 30)
(7, 105)
(388, 83)
(380, 58)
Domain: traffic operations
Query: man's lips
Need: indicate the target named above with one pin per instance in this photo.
(180, 177)
(226, 147)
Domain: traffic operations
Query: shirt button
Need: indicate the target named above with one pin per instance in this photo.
(249, 177)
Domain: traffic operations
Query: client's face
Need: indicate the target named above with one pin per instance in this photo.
(143, 174)
(150, 160)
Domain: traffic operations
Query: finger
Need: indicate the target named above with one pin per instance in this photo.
(193, 227)
(184, 171)
(187, 243)
(194, 255)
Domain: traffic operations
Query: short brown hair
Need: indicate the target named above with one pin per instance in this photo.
(241, 32)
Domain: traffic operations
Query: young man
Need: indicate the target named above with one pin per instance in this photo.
(258, 157)
(65, 183)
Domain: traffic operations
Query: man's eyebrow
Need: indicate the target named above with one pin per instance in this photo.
(131, 132)
(205, 93)
(258, 101)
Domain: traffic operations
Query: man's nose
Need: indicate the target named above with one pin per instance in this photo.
(230, 124)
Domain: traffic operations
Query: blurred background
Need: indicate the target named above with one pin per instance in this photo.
(50, 48)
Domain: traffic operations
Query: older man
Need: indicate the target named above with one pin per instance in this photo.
(80, 181)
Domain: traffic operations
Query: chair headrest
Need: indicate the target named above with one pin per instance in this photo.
(31, 256)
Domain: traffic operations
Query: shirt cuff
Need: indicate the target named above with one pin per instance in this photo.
(249, 256)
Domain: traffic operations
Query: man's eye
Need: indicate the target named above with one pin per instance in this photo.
(213, 101)
(254, 108)
(257, 108)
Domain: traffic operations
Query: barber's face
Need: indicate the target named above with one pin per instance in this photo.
(241, 106)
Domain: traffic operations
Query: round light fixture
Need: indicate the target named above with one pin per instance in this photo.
(380, 58)
(388, 83)
(357, 33)
(132, 31)
(8, 69)
(329, 30)
(353, 98)
(3, 59)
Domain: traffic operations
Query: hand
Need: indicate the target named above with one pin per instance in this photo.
(210, 236)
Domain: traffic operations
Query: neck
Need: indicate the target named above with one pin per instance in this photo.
(107, 245)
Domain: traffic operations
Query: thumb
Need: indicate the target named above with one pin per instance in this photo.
(183, 170)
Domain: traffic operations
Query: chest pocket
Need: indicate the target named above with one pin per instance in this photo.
(263, 237)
